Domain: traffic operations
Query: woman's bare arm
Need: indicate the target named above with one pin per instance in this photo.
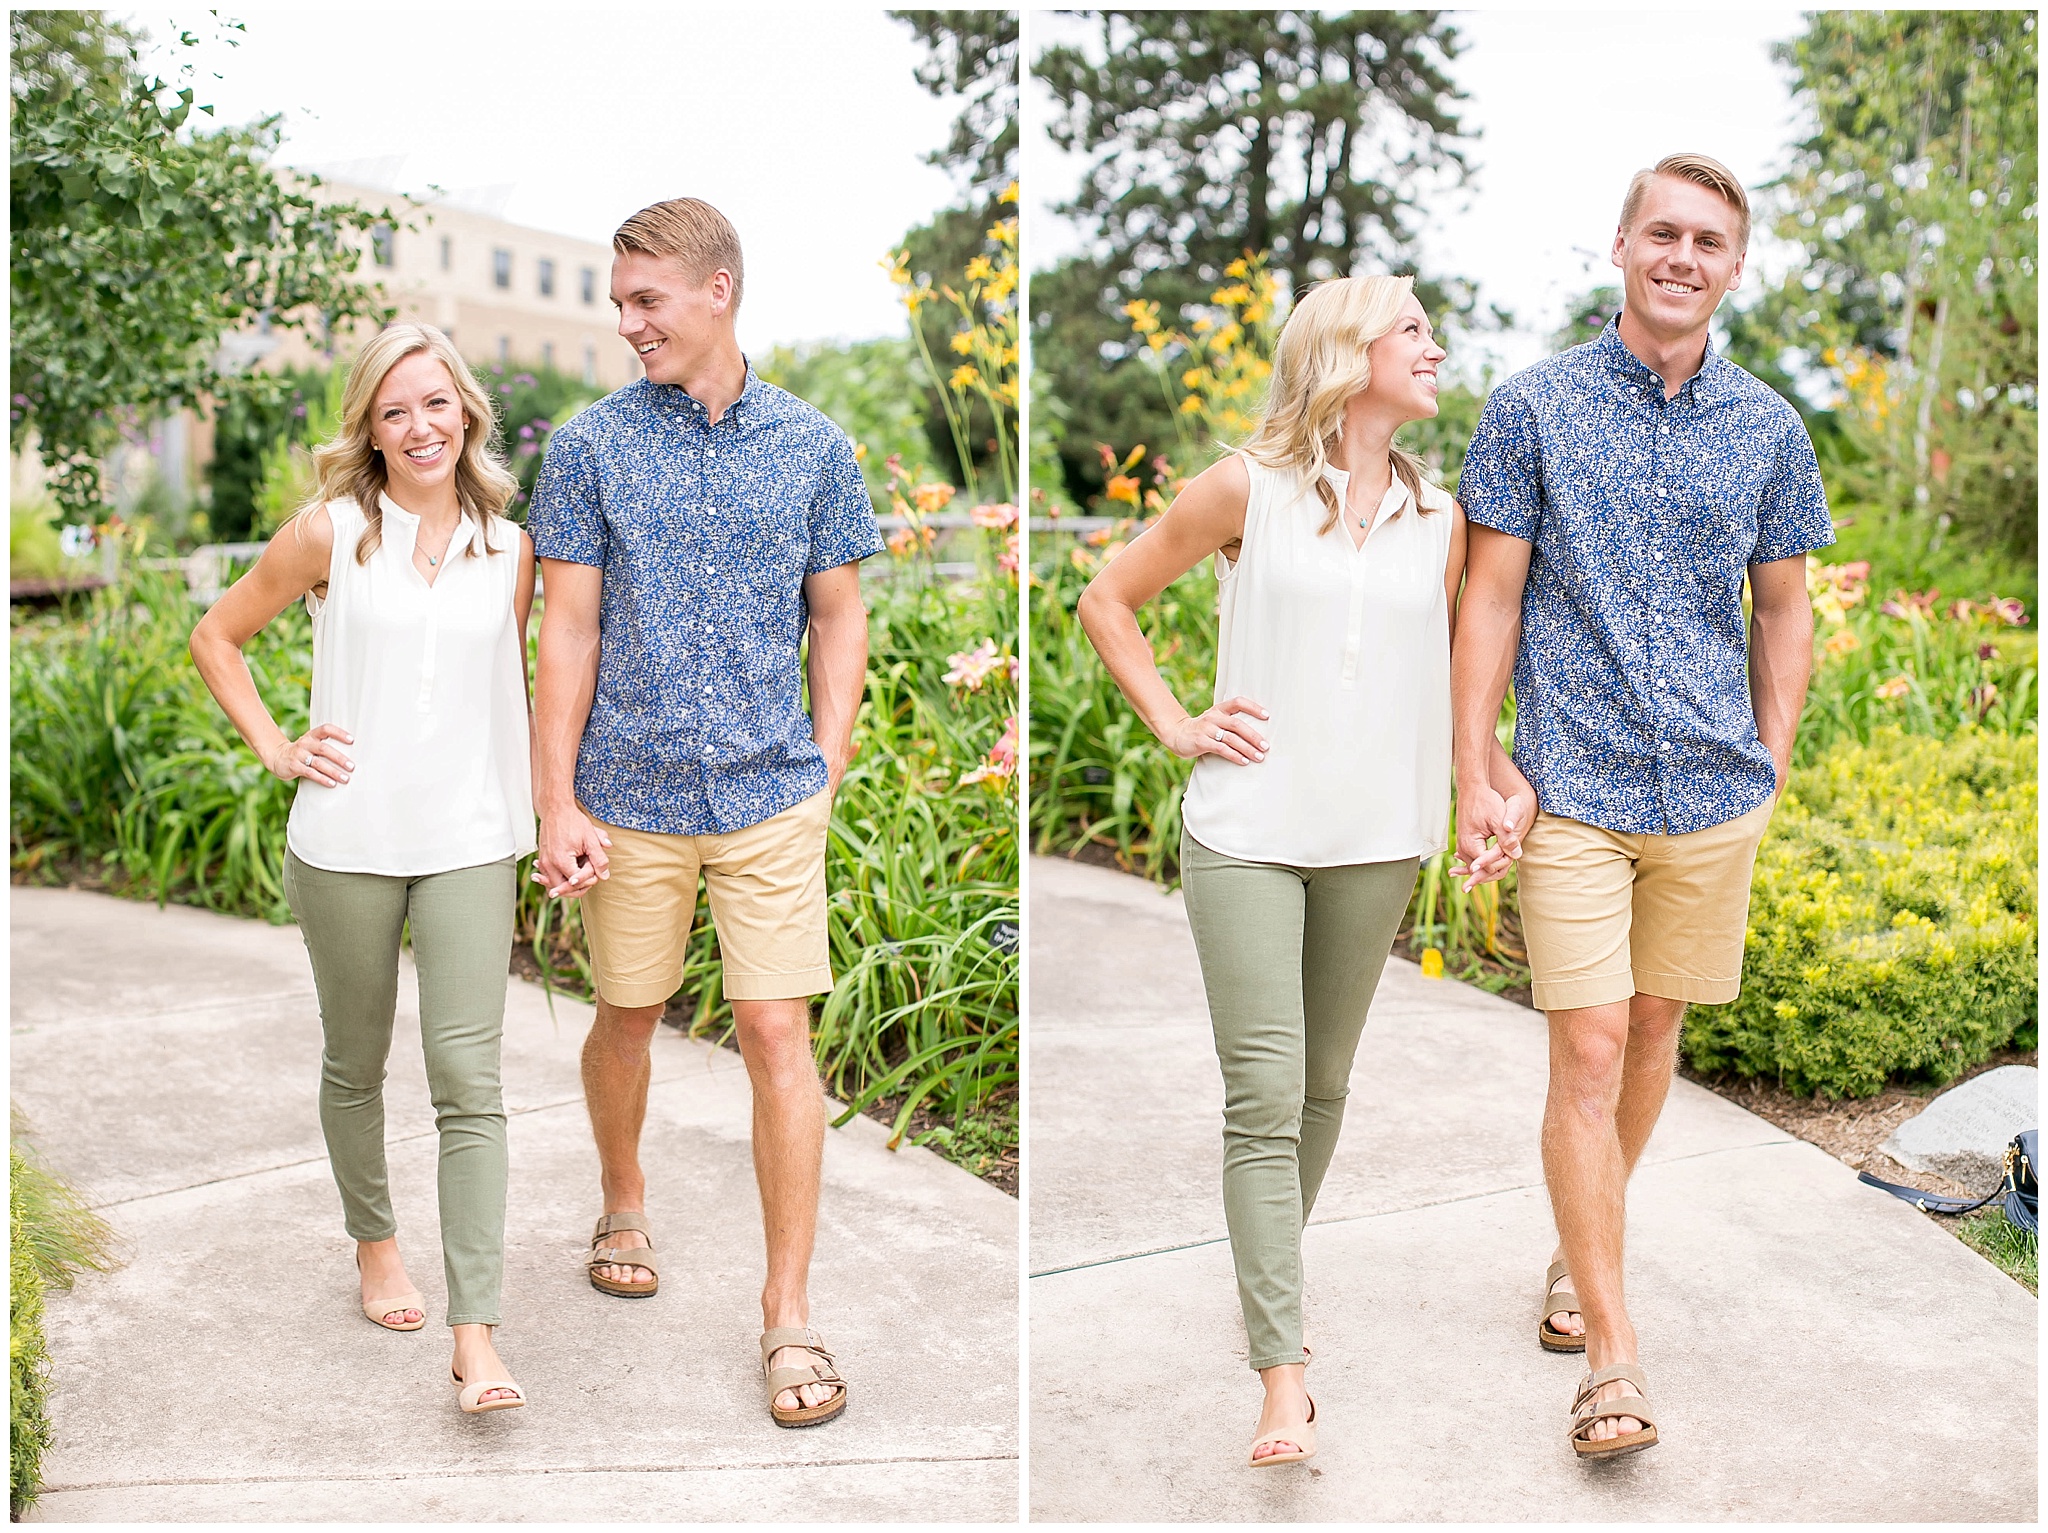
(293, 563)
(1206, 516)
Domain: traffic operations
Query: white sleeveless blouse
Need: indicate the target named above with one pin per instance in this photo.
(430, 681)
(1349, 650)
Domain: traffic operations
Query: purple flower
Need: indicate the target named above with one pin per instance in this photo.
(526, 433)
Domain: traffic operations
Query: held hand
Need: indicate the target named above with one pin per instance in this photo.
(316, 756)
(1224, 730)
(572, 854)
(1498, 860)
(1483, 815)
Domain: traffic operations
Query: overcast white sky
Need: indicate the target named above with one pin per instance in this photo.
(1567, 105)
(802, 123)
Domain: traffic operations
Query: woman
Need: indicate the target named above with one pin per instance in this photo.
(1322, 773)
(414, 799)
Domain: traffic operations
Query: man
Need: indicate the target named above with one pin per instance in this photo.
(690, 528)
(1617, 494)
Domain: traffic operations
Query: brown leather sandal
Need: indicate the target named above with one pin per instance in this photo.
(788, 1377)
(602, 1255)
(1563, 1302)
(1586, 1410)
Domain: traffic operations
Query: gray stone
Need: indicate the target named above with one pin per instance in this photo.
(1816, 1354)
(1962, 1134)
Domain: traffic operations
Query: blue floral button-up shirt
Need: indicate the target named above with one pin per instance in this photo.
(705, 531)
(1632, 698)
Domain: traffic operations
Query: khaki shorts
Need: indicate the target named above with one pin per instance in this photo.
(767, 889)
(1608, 915)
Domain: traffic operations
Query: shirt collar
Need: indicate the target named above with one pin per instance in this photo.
(752, 394)
(1626, 365)
(1392, 504)
(399, 521)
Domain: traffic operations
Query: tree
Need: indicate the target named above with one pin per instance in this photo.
(1310, 136)
(1915, 201)
(972, 55)
(140, 240)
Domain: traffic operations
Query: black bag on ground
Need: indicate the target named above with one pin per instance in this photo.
(2020, 1187)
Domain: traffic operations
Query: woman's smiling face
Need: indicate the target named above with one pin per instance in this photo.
(1404, 366)
(417, 424)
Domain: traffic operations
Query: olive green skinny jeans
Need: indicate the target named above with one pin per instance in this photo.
(1290, 959)
(461, 935)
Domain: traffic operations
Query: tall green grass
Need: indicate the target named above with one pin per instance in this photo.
(53, 1237)
(125, 769)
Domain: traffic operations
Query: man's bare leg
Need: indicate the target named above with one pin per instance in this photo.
(789, 1149)
(1610, 1072)
(617, 1060)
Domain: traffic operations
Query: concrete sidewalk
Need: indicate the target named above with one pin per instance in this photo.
(1817, 1351)
(167, 1062)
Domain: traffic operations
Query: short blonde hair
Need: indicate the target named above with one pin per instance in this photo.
(690, 232)
(350, 466)
(1701, 171)
(1319, 363)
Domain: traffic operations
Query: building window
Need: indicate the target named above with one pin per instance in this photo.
(447, 252)
(383, 245)
(504, 350)
(501, 267)
(547, 354)
(590, 284)
(547, 277)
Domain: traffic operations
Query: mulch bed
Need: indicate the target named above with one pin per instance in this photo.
(1852, 1131)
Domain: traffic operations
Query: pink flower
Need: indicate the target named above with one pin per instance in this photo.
(973, 667)
(1000, 764)
(994, 517)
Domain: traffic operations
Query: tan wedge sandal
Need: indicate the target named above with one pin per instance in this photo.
(1301, 1433)
(602, 1255)
(1562, 1302)
(1586, 1410)
(374, 1310)
(472, 1398)
(788, 1377)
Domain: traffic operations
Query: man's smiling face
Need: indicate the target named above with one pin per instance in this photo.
(1681, 256)
(668, 320)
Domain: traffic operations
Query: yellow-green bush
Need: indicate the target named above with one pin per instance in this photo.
(1891, 919)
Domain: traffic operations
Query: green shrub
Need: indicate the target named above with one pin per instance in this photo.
(53, 1237)
(1891, 919)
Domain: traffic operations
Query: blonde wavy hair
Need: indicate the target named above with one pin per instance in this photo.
(1319, 363)
(350, 465)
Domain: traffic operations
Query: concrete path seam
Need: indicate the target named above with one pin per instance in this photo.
(128, 1019)
(1383, 1213)
(314, 1160)
(500, 1471)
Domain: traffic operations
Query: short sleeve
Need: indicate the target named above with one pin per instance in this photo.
(1792, 513)
(1501, 484)
(843, 526)
(566, 519)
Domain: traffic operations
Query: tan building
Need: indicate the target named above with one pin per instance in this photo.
(503, 292)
